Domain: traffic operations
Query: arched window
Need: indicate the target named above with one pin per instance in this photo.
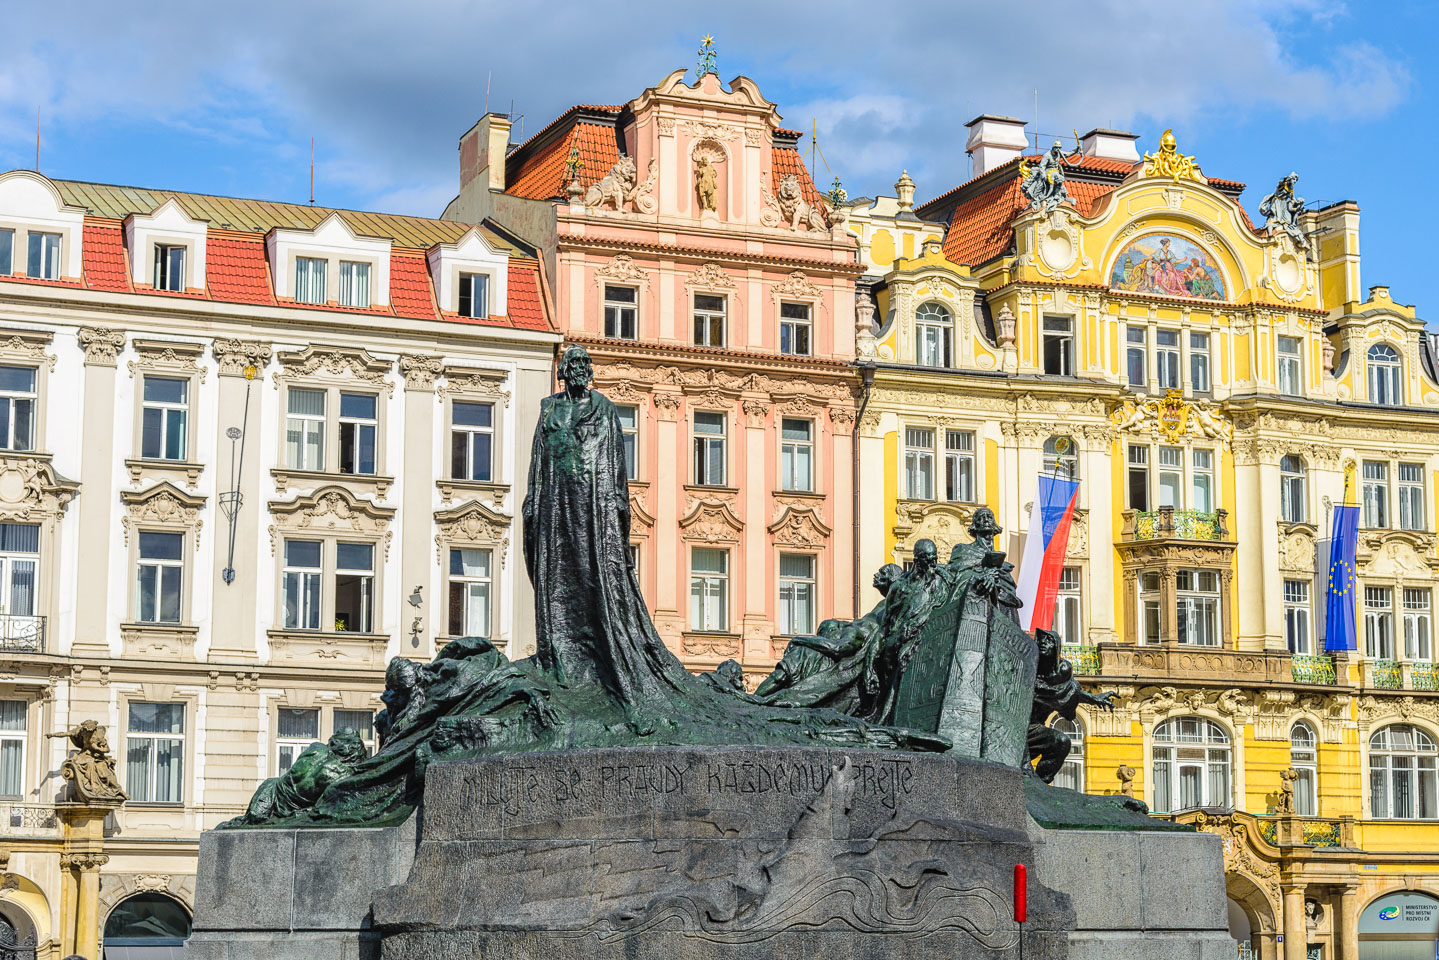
(1384, 375)
(1402, 774)
(1191, 765)
(1304, 758)
(1061, 458)
(147, 920)
(1291, 489)
(1071, 775)
(934, 329)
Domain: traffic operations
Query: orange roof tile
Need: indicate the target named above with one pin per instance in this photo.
(410, 287)
(541, 174)
(522, 293)
(787, 160)
(237, 271)
(103, 255)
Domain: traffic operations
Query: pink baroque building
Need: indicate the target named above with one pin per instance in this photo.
(688, 250)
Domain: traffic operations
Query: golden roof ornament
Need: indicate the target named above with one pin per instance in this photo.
(1169, 162)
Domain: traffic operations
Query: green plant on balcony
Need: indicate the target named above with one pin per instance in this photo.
(1423, 675)
(1309, 668)
(1179, 524)
(1387, 675)
(1084, 659)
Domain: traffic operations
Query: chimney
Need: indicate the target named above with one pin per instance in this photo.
(482, 152)
(1110, 145)
(994, 141)
(1333, 233)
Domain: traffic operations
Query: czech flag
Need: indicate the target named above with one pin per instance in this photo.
(1340, 632)
(1043, 559)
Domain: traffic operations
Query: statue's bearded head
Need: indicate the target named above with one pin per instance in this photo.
(347, 745)
(926, 555)
(575, 367)
(886, 576)
(984, 524)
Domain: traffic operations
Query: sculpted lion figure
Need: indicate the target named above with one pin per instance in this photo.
(798, 211)
(616, 188)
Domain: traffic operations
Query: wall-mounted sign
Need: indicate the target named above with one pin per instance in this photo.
(1408, 913)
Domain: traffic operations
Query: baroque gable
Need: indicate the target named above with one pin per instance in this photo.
(334, 363)
(472, 522)
(330, 509)
(163, 504)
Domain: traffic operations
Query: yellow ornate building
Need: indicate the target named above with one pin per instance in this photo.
(1215, 386)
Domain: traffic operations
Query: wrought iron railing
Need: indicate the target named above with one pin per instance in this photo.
(22, 634)
(1179, 524)
(28, 819)
(1084, 659)
(1307, 668)
(1387, 674)
(1423, 675)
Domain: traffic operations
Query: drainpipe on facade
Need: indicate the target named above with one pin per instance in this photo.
(866, 384)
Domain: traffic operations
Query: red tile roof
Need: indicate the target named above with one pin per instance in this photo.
(536, 168)
(236, 269)
(787, 160)
(410, 294)
(103, 254)
(522, 293)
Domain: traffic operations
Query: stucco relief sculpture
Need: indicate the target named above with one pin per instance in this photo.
(1282, 210)
(790, 206)
(90, 769)
(706, 184)
(1043, 184)
(621, 188)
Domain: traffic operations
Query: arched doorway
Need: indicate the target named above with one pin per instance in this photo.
(1400, 926)
(147, 926)
(17, 934)
(1241, 930)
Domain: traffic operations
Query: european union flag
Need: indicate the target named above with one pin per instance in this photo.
(1339, 606)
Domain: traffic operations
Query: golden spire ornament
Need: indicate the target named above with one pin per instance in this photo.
(1167, 161)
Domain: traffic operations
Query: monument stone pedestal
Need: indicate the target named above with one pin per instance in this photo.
(709, 853)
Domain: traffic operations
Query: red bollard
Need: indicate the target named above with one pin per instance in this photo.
(1021, 892)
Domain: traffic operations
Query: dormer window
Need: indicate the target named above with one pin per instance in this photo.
(7, 252)
(43, 262)
(354, 284)
(1384, 375)
(309, 280)
(474, 295)
(169, 267)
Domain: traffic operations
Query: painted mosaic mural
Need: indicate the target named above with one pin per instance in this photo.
(1169, 266)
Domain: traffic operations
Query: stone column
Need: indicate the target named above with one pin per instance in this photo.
(234, 617)
(97, 466)
(416, 519)
(1296, 936)
(80, 862)
(1344, 905)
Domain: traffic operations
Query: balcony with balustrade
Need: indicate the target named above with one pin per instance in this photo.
(1168, 523)
(22, 634)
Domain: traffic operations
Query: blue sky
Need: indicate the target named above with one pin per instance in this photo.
(225, 98)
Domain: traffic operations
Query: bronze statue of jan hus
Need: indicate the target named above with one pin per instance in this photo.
(91, 769)
(1055, 691)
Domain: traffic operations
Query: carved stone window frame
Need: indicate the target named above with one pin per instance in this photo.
(472, 525)
(31, 491)
(709, 279)
(189, 698)
(476, 385)
(821, 570)
(1166, 557)
(175, 360)
(161, 508)
(798, 288)
(331, 514)
(334, 370)
(27, 348)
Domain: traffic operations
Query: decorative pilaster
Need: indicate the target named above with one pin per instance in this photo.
(234, 355)
(101, 345)
(420, 371)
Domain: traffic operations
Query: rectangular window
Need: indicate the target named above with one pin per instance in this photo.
(1151, 612)
(1202, 482)
(44, 260)
(309, 280)
(12, 748)
(470, 592)
(164, 410)
(794, 329)
(1059, 346)
(169, 267)
(296, 730)
(1139, 478)
(1166, 358)
(1197, 607)
(1136, 356)
(621, 312)
(360, 721)
(1379, 623)
(709, 316)
(919, 463)
(1296, 615)
(709, 448)
(355, 587)
(19, 563)
(796, 594)
(162, 566)
(305, 429)
(1417, 645)
(7, 253)
(155, 753)
(1290, 367)
(354, 284)
(1199, 362)
(1171, 476)
(959, 466)
(932, 337)
(630, 437)
(1376, 494)
(472, 440)
(709, 589)
(1067, 609)
(358, 424)
(796, 454)
(300, 584)
(17, 408)
(475, 297)
(1411, 497)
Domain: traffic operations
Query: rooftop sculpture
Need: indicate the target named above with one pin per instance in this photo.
(1043, 184)
(1282, 209)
